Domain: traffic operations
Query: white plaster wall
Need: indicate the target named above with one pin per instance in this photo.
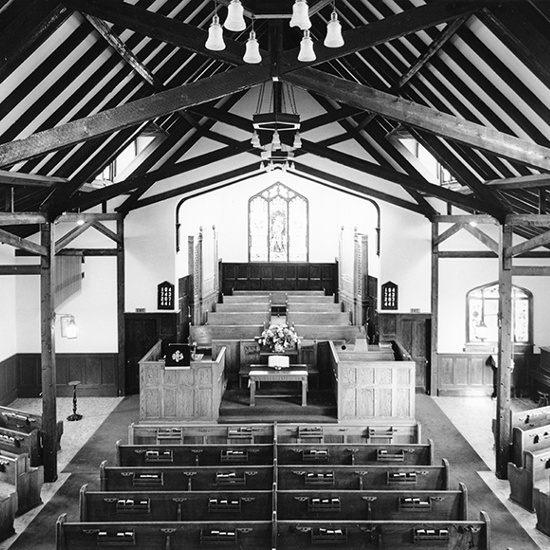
(150, 244)
(8, 345)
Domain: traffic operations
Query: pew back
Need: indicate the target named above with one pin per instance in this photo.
(22, 443)
(527, 438)
(193, 455)
(535, 470)
(364, 477)
(318, 317)
(237, 318)
(373, 505)
(186, 478)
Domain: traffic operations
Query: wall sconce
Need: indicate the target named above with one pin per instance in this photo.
(69, 328)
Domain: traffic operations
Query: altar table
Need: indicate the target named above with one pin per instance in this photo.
(264, 374)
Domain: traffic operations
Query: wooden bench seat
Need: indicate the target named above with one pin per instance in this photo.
(228, 307)
(194, 535)
(21, 432)
(364, 477)
(172, 433)
(394, 535)
(216, 318)
(312, 307)
(523, 480)
(186, 478)
(17, 474)
(318, 318)
(194, 455)
(403, 432)
(373, 505)
(359, 453)
(529, 438)
(109, 506)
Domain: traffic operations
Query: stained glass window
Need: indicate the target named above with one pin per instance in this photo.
(278, 222)
(482, 306)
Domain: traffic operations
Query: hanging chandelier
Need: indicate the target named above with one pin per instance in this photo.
(235, 22)
(276, 125)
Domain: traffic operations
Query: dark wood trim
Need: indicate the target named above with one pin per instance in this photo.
(121, 325)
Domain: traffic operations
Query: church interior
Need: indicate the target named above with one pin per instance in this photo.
(274, 274)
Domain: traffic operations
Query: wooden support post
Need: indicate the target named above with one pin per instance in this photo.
(120, 308)
(47, 316)
(432, 390)
(505, 353)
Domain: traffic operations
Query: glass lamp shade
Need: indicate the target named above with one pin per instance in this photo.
(215, 36)
(252, 52)
(300, 15)
(235, 17)
(276, 141)
(334, 37)
(306, 49)
(297, 143)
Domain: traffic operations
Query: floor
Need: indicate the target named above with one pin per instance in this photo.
(478, 434)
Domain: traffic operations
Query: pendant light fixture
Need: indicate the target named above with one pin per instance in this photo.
(307, 52)
(300, 15)
(215, 35)
(235, 17)
(334, 37)
(252, 52)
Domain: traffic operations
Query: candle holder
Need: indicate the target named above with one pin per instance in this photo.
(75, 416)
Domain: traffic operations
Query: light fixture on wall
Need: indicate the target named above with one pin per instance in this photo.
(235, 22)
(276, 125)
(69, 328)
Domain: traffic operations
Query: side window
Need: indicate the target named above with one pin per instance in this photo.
(482, 314)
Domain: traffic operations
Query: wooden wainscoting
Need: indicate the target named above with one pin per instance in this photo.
(96, 371)
(8, 380)
(463, 374)
(279, 276)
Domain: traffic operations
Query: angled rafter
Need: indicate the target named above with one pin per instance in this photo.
(9, 238)
(419, 116)
(490, 243)
(520, 182)
(18, 178)
(133, 113)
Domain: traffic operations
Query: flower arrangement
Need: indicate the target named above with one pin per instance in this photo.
(278, 338)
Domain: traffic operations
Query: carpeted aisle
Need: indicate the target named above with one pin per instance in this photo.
(84, 468)
(464, 465)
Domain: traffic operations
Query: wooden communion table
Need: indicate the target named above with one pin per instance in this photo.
(262, 373)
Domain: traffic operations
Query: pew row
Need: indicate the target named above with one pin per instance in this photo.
(527, 438)
(186, 478)
(109, 506)
(215, 318)
(420, 534)
(364, 477)
(293, 307)
(523, 480)
(235, 307)
(402, 431)
(205, 434)
(298, 318)
(276, 534)
(361, 453)
(21, 432)
(373, 505)
(264, 454)
(112, 506)
(194, 455)
(246, 535)
(17, 474)
(541, 500)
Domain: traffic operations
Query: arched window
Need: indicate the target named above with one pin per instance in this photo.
(482, 312)
(278, 226)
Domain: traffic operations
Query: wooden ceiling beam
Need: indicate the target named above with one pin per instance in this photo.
(9, 238)
(420, 116)
(157, 26)
(22, 218)
(133, 113)
(520, 182)
(18, 178)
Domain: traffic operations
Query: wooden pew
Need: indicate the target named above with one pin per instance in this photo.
(189, 433)
(215, 318)
(246, 535)
(523, 480)
(527, 438)
(375, 432)
(263, 298)
(186, 478)
(311, 307)
(203, 335)
(261, 307)
(373, 505)
(295, 299)
(28, 427)
(327, 333)
(8, 506)
(364, 477)
(17, 474)
(318, 317)
(109, 506)
(394, 535)
(541, 501)
(361, 453)
(194, 455)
